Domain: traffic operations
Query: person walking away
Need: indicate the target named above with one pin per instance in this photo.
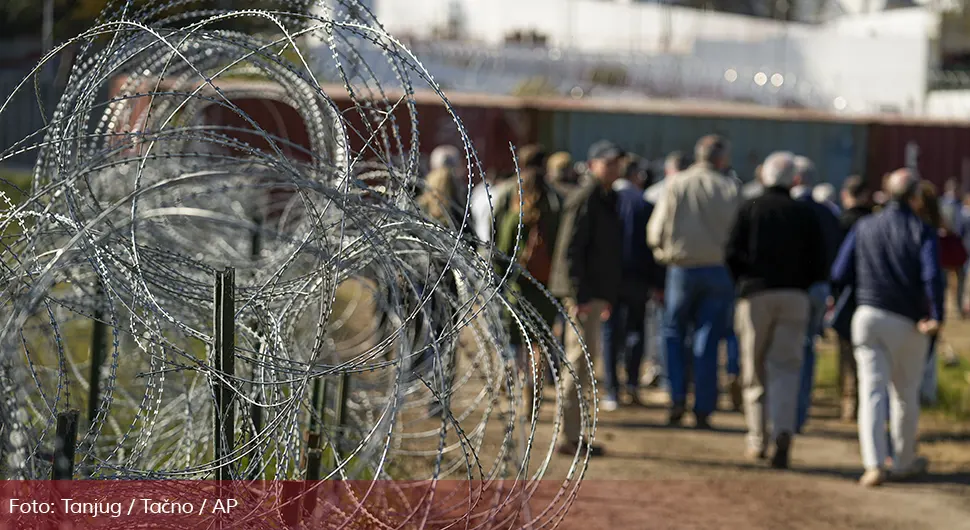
(624, 332)
(586, 274)
(819, 293)
(438, 201)
(539, 207)
(950, 227)
(775, 254)
(688, 232)
(855, 204)
(952, 257)
(892, 259)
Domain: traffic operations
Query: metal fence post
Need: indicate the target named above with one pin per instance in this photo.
(65, 443)
(97, 355)
(223, 350)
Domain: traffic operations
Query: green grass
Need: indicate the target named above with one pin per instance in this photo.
(15, 184)
(954, 391)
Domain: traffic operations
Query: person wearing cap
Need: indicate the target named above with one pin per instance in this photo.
(688, 232)
(805, 177)
(892, 260)
(775, 254)
(587, 273)
(527, 229)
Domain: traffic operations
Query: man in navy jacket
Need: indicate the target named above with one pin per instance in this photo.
(892, 260)
(623, 332)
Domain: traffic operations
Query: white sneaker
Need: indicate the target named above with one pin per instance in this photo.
(608, 404)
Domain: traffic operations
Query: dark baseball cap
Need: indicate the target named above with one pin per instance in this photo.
(604, 149)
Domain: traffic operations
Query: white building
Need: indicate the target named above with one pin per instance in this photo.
(863, 60)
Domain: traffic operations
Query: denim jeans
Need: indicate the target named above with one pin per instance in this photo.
(817, 295)
(700, 297)
(731, 344)
(623, 338)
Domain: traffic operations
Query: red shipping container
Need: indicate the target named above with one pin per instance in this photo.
(491, 124)
(939, 150)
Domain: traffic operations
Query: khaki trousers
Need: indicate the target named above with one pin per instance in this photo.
(577, 379)
(890, 354)
(771, 328)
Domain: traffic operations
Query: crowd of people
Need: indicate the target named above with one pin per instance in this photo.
(764, 268)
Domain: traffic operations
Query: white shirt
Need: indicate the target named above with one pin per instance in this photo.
(482, 212)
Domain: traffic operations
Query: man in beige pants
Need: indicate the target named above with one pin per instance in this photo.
(892, 259)
(775, 253)
(586, 273)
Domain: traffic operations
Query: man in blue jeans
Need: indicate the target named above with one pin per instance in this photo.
(688, 231)
(819, 293)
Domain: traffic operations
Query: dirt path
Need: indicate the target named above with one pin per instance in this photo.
(658, 477)
(655, 477)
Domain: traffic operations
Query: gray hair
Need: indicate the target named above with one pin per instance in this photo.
(778, 169)
(902, 184)
(805, 169)
(824, 192)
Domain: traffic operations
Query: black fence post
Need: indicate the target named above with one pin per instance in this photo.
(340, 415)
(223, 350)
(99, 332)
(255, 408)
(318, 399)
(65, 443)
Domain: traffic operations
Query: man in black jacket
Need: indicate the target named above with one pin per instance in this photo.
(855, 206)
(587, 272)
(775, 253)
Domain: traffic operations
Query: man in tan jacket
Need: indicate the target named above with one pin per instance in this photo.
(688, 232)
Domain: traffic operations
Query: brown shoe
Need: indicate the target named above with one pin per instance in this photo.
(737, 397)
(572, 449)
(873, 478)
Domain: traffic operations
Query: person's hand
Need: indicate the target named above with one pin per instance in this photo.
(606, 312)
(582, 310)
(928, 326)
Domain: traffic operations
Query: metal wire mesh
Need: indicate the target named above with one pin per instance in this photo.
(356, 316)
